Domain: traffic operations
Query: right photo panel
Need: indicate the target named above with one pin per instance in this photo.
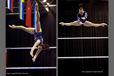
(83, 37)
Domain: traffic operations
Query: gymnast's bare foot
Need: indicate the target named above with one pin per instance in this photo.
(31, 53)
(61, 23)
(104, 24)
(34, 59)
(12, 26)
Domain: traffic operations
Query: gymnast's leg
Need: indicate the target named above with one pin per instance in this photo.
(37, 53)
(29, 30)
(34, 46)
(75, 23)
(37, 25)
(89, 24)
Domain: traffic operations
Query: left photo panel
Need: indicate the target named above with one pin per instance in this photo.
(31, 37)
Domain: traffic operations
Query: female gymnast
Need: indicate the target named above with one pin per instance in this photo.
(37, 32)
(82, 20)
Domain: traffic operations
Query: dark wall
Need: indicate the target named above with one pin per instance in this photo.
(83, 48)
(77, 66)
(22, 58)
(97, 13)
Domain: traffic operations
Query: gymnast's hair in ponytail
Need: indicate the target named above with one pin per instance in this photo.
(45, 46)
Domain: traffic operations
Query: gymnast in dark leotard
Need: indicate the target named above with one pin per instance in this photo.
(82, 20)
(37, 32)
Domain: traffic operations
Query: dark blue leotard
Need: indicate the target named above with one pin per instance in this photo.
(79, 17)
(38, 36)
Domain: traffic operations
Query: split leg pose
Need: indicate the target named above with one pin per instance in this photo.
(86, 24)
(37, 32)
(82, 20)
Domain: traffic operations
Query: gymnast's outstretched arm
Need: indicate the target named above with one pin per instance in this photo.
(29, 30)
(38, 25)
(75, 23)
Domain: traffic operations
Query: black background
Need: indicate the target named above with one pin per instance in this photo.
(91, 47)
(22, 58)
(75, 67)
